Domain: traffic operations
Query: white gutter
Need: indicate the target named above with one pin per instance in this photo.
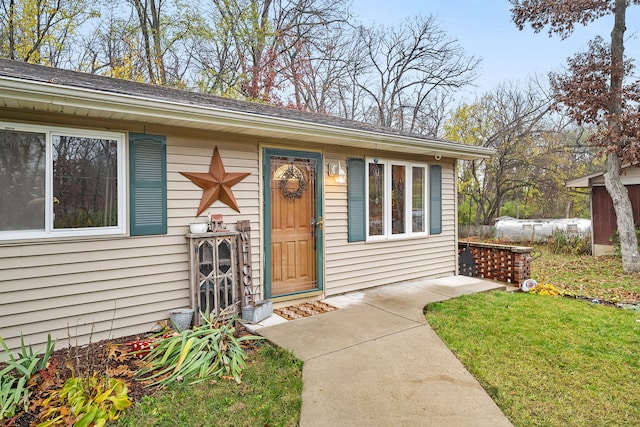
(162, 111)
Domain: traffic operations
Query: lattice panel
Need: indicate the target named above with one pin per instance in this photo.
(500, 263)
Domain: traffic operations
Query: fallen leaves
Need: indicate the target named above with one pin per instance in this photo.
(120, 371)
(116, 352)
(588, 277)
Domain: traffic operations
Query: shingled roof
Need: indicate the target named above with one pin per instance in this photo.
(90, 87)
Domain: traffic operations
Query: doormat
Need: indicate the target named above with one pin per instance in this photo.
(305, 309)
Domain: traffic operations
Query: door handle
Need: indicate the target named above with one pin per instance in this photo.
(319, 223)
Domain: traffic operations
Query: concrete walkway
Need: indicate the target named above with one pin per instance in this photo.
(376, 362)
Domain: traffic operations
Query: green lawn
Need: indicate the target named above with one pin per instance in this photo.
(270, 395)
(547, 361)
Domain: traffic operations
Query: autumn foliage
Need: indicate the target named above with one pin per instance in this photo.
(597, 93)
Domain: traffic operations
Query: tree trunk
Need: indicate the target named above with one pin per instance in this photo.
(143, 18)
(12, 29)
(624, 214)
(156, 33)
(613, 183)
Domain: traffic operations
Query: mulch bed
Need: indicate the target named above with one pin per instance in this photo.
(111, 358)
(306, 309)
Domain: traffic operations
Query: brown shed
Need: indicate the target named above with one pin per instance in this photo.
(603, 216)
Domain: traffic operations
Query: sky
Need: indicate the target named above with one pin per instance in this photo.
(484, 29)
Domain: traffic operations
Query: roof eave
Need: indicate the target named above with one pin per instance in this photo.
(57, 98)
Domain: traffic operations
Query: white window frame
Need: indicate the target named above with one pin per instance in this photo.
(425, 199)
(49, 231)
(408, 212)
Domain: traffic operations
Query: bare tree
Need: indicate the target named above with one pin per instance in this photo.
(148, 12)
(409, 67)
(165, 28)
(513, 122)
(143, 40)
(111, 48)
(315, 54)
(266, 49)
(595, 94)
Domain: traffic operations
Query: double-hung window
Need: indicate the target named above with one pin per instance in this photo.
(396, 204)
(61, 182)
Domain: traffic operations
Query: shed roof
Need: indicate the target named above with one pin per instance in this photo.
(629, 175)
(40, 88)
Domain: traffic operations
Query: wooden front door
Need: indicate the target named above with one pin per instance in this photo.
(293, 214)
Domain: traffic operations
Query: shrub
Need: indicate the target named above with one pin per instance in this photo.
(615, 239)
(571, 244)
(15, 376)
(86, 401)
(207, 351)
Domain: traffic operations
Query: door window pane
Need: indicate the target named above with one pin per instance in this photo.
(85, 182)
(22, 180)
(417, 199)
(376, 199)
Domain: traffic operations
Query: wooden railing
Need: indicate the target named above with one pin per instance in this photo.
(504, 263)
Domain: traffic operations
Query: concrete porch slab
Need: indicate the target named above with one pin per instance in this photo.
(317, 335)
(409, 299)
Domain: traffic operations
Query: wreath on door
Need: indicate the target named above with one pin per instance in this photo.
(293, 173)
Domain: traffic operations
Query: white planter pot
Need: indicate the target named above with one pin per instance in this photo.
(198, 228)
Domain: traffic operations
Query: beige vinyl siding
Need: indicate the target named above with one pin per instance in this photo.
(358, 265)
(89, 291)
(192, 153)
(95, 288)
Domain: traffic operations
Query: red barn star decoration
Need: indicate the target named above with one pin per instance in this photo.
(216, 184)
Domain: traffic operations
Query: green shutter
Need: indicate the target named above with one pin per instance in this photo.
(356, 199)
(435, 199)
(147, 184)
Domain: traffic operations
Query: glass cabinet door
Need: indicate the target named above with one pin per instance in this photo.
(216, 275)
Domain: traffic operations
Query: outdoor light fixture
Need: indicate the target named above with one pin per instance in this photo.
(336, 171)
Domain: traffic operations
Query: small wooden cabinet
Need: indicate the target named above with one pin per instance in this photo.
(213, 274)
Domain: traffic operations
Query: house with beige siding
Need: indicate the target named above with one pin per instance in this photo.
(101, 178)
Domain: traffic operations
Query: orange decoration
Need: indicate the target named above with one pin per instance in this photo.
(216, 184)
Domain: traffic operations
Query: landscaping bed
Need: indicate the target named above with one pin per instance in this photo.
(110, 358)
(109, 379)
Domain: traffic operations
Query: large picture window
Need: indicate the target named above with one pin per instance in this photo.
(60, 182)
(396, 206)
